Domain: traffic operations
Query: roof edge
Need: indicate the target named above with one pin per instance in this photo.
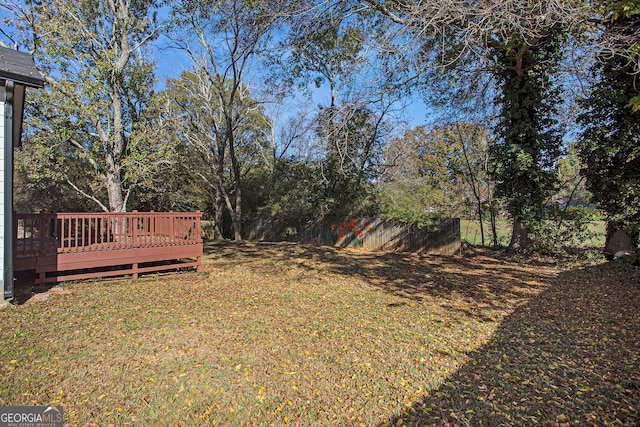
(20, 68)
(34, 82)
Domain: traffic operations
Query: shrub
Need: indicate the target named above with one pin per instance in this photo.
(563, 231)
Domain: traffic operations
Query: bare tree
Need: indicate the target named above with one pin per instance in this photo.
(474, 26)
(224, 42)
(473, 142)
(332, 51)
(618, 35)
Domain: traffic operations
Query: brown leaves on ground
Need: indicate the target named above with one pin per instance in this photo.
(275, 334)
(569, 357)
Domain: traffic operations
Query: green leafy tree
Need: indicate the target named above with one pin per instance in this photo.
(350, 162)
(572, 189)
(443, 171)
(171, 183)
(38, 189)
(98, 89)
(529, 137)
(330, 54)
(295, 193)
(417, 173)
(331, 49)
(609, 144)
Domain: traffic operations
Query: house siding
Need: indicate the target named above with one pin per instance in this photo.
(2, 191)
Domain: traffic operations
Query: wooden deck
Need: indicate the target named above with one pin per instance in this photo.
(75, 246)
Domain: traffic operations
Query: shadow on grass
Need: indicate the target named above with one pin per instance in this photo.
(473, 284)
(26, 289)
(476, 280)
(570, 356)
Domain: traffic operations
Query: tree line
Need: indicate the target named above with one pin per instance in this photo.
(535, 108)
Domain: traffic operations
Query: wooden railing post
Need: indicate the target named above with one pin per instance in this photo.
(134, 232)
(198, 236)
(41, 231)
(198, 239)
(172, 218)
(135, 237)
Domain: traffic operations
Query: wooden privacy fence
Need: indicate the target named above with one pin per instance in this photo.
(370, 233)
(73, 246)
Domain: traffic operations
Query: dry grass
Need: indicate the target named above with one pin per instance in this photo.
(299, 335)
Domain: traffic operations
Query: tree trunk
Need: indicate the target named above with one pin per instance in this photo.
(471, 179)
(116, 146)
(236, 214)
(480, 220)
(114, 189)
(519, 237)
(219, 198)
(218, 210)
(494, 228)
(619, 243)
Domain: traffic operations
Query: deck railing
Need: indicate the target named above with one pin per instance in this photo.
(61, 233)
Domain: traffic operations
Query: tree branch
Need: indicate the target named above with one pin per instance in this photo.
(88, 196)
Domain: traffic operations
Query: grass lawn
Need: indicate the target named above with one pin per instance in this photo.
(284, 334)
(470, 231)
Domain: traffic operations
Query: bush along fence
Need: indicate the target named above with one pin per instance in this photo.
(370, 233)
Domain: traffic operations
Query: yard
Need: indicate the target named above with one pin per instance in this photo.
(275, 334)
(470, 231)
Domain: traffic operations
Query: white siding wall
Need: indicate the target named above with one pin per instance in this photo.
(2, 200)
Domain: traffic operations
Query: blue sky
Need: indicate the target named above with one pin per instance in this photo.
(171, 62)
